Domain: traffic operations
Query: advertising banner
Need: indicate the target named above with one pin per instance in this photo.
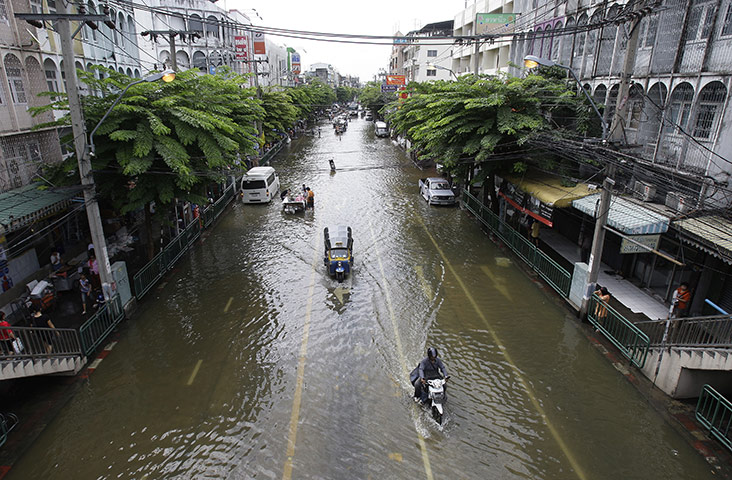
(241, 43)
(259, 48)
(389, 88)
(396, 80)
(488, 23)
(295, 59)
(527, 204)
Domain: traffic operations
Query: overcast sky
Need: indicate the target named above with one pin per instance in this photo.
(366, 17)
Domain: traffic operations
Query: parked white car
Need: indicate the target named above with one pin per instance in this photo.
(436, 191)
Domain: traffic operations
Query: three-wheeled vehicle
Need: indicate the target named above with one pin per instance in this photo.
(338, 257)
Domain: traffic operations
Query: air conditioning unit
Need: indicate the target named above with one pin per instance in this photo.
(644, 191)
(678, 202)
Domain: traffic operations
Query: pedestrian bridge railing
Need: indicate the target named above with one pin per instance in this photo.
(632, 342)
(39, 342)
(556, 276)
(95, 330)
(697, 332)
(714, 412)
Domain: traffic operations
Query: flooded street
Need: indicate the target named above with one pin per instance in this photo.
(250, 362)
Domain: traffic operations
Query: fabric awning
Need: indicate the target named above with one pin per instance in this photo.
(25, 205)
(549, 189)
(625, 216)
(711, 233)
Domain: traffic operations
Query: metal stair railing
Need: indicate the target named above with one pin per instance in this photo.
(694, 332)
(39, 342)
(715, 413)
(8, 421)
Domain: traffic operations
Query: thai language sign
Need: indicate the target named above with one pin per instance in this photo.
(396, 80)
(492, 23)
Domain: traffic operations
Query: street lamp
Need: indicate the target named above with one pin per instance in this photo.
(432, 65)
(532, 61)
(598, 238)
(166, 75)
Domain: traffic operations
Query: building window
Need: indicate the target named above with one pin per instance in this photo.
(700, 21)
(3, 11)
(51, 78)
(677, 116)
(727, 24)
(708, 109)
(431, 72)
(431, 53)
(51, 6)
(36, 6)
(15, 79)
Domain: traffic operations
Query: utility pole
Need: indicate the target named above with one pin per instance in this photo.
(598, 241)
(82, 152)
(171, 34)
(476, 62)
(621, 106)
(260, 130)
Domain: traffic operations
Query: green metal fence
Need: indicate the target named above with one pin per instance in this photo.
(154, 270)
(715, 413)
(8, 421)
(629, 339)
(556, 276)
(270, 154)
(95, 330)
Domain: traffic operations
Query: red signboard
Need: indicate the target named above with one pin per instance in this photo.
(241, 42)
(396, 80)
(259, 48)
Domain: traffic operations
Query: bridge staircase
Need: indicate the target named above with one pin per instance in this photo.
(684, 354)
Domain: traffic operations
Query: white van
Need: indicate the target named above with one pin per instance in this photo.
(380, 129)
(259, 185)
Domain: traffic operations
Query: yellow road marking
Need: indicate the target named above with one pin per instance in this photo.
(195, 372)
(497, 282)
(423, 281)
(294, 418)
(400, 350)
(532, 396)
(228, 304)
(395, 456)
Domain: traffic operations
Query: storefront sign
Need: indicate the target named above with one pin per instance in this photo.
(527, 204)
(241, 42)
(648, 242)
(389, 88)
(259, 48)
(396, 80)
(295, 59)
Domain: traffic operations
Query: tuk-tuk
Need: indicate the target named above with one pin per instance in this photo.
(338, 257)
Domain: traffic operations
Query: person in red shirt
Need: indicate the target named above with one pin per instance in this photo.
(680, 301)
(6, 335)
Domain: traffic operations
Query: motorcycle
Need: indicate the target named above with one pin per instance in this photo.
(436, 397)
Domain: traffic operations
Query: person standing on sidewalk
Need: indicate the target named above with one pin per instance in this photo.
(6, 336)
(680, 301)
(85, 288)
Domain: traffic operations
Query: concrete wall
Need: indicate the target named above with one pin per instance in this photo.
(682, 372)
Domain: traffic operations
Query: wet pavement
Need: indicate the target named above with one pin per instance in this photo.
(249, 362)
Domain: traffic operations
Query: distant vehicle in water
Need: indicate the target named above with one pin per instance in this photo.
(369, 116)
(380, 129)
(259, 185)
(436, 191)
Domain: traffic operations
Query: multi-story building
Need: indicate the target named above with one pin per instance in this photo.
(491, 56)
(419, 59)
(325, 72)
(677, 122)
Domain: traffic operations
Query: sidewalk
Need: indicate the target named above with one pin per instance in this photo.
(625, 292)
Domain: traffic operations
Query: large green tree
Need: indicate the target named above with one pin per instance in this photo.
(166, 140)
(372, 98)
(482, 121)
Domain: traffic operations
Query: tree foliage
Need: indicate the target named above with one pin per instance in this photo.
(482, 120)
(166, 140)
(373, 98)
(345, 94)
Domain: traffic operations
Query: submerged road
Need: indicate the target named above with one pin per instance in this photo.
(250, 362)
